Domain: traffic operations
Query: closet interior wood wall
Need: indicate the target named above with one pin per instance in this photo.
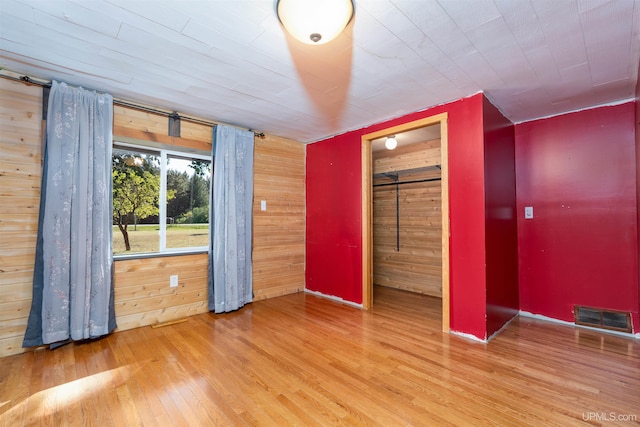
(412, 262)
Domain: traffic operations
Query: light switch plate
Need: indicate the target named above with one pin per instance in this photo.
(263, 205)
(173, 281)
(528, 212)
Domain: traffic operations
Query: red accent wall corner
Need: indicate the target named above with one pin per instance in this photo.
(334, 236)
(579, 173)
(500, 216)
(637, 134)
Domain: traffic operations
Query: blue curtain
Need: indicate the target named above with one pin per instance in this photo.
(230, 278)
(73, 272)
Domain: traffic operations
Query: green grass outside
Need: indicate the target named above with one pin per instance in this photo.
(146, 238)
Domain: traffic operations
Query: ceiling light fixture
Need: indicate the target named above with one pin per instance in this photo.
(391, 143)
(314, 22)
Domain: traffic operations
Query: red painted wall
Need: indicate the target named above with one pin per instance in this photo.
(334, 240)
(467, 289)
(578, 171)
(637, 132)
(500, 217)
(334, 224)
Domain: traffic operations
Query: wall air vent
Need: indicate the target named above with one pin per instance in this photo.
(601, 318)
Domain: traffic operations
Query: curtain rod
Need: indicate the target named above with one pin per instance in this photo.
(40, 82)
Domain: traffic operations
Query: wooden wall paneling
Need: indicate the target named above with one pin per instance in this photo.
(142, 293)
(278, 240)
(143, 296)
(419, 155)
(134, 119)
(417, 266)
(279, 232)
(20, 174)
(196, 131)
(132, 125)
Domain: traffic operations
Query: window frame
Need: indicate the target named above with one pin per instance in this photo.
(163, 154)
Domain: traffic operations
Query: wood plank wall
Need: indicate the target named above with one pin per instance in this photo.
(20, 172)
(278, 232)
(143, 296)
(142, 293)
(417, 265)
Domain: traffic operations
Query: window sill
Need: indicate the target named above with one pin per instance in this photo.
(124, 257)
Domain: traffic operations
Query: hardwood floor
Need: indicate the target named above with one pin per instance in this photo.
(303, 360)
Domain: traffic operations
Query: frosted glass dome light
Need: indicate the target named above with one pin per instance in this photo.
(314, 21)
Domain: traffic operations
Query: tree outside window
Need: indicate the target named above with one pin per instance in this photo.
(138, 175)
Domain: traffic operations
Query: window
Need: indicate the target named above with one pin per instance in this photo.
(160, 201)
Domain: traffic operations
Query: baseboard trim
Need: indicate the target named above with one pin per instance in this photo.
(493, 335)
(468, 336)
(333, 298)
(566, 323)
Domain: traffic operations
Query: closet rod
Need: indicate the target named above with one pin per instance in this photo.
(407, 182)
(397, 184)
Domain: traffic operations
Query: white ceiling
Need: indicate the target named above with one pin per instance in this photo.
(230, 60)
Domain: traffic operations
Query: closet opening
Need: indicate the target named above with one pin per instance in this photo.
(405, 211)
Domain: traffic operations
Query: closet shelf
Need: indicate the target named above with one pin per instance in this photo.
(395, 175)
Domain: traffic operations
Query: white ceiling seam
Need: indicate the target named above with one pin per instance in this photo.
(608, 104)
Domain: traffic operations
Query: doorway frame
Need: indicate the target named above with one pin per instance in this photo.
(367, 207)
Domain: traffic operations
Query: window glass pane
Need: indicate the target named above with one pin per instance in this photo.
(136, 191)
(188, 182)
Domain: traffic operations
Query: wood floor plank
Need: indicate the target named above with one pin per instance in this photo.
(303, 360)
(14, 389)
